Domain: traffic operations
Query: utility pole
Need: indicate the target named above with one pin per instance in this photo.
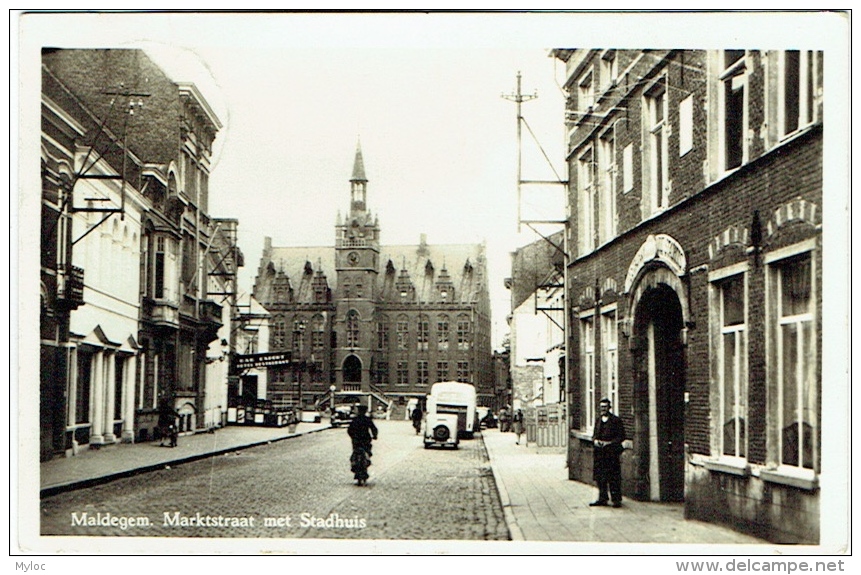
(519, 98)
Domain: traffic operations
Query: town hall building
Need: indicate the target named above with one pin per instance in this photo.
(374, 323)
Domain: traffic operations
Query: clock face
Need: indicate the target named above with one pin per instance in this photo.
(353, 258)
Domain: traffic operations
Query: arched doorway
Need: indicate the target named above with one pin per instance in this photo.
(659, 403)
(352, 369)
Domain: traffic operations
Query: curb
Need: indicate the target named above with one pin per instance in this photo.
(102, 479)
(507, 512)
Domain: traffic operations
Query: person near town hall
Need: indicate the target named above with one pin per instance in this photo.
(362, 432)
(504, 419)
(167, 416)
(416, 417)
(517, 424)
(607, 439)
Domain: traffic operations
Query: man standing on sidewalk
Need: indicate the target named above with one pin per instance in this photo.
(607, 438)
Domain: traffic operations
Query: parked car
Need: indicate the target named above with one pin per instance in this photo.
(441, 429)
(486, 418)
(343, 414)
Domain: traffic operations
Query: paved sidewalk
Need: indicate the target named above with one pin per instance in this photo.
(542, 504)
(94, 466)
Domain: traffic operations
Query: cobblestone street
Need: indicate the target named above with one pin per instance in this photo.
(301, 488)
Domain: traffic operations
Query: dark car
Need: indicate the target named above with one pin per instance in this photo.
(343, 414)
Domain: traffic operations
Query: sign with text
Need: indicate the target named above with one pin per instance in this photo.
(270, 359)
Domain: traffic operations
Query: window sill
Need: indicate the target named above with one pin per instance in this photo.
(731, 467)
(800, 478)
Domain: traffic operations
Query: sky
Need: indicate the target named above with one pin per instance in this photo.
(423, 93)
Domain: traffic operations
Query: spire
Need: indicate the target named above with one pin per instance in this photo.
(359, 165)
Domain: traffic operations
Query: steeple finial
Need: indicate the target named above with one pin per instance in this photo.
(359, 165)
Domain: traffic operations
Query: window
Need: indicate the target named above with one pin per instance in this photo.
(442, 333)
(383, 334)
(628, 168)
(655, 154)
(732, 365)
(403, 333)
(279, 334)
(382, 373)
(318, 326)
(585, 208)
(463, 373)
(403, 374)
(586, 93)
(463, 333)
(609, 69)
(587, 338)
(352, 329)
(733, 109)
(422, 374)
(298, 338)
(610, 344)
(796, 387)
(159, 265)
(796, 90)
(686, 125)
(442, 371)
(423, 326)
(607, 192)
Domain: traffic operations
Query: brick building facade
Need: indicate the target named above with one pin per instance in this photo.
(694, 299)
(380, 323)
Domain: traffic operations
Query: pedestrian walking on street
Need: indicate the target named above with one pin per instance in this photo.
(504, 419)
(607, 439)
(517, 424)
(416, 416)
(167, 423)
(362, 432)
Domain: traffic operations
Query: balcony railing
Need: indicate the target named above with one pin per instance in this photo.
(70, 286)
(160, 311)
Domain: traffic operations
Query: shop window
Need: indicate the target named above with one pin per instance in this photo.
(732, 366)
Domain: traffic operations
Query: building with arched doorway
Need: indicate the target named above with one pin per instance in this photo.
(371, 322)
(694, 298)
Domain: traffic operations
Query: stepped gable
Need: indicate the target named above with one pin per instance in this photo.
(424, 264)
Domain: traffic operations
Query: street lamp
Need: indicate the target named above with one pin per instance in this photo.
(332, 399)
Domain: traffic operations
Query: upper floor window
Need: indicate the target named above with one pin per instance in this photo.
(352, 328)
(298, 338)
(733, 109)
(607, 191)
(586, 92)
(278, 334)
(422, 374)
(442, 371)
(442, 333)
(318, 326)
(463, 333)
(423, 326)
(403, 333)
(585, 205)
(796, 90)
(609, 69)
(383, 334)
(655, 155)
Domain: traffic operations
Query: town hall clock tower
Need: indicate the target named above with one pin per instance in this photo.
(357, 259)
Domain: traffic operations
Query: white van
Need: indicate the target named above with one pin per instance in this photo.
(454, 398)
